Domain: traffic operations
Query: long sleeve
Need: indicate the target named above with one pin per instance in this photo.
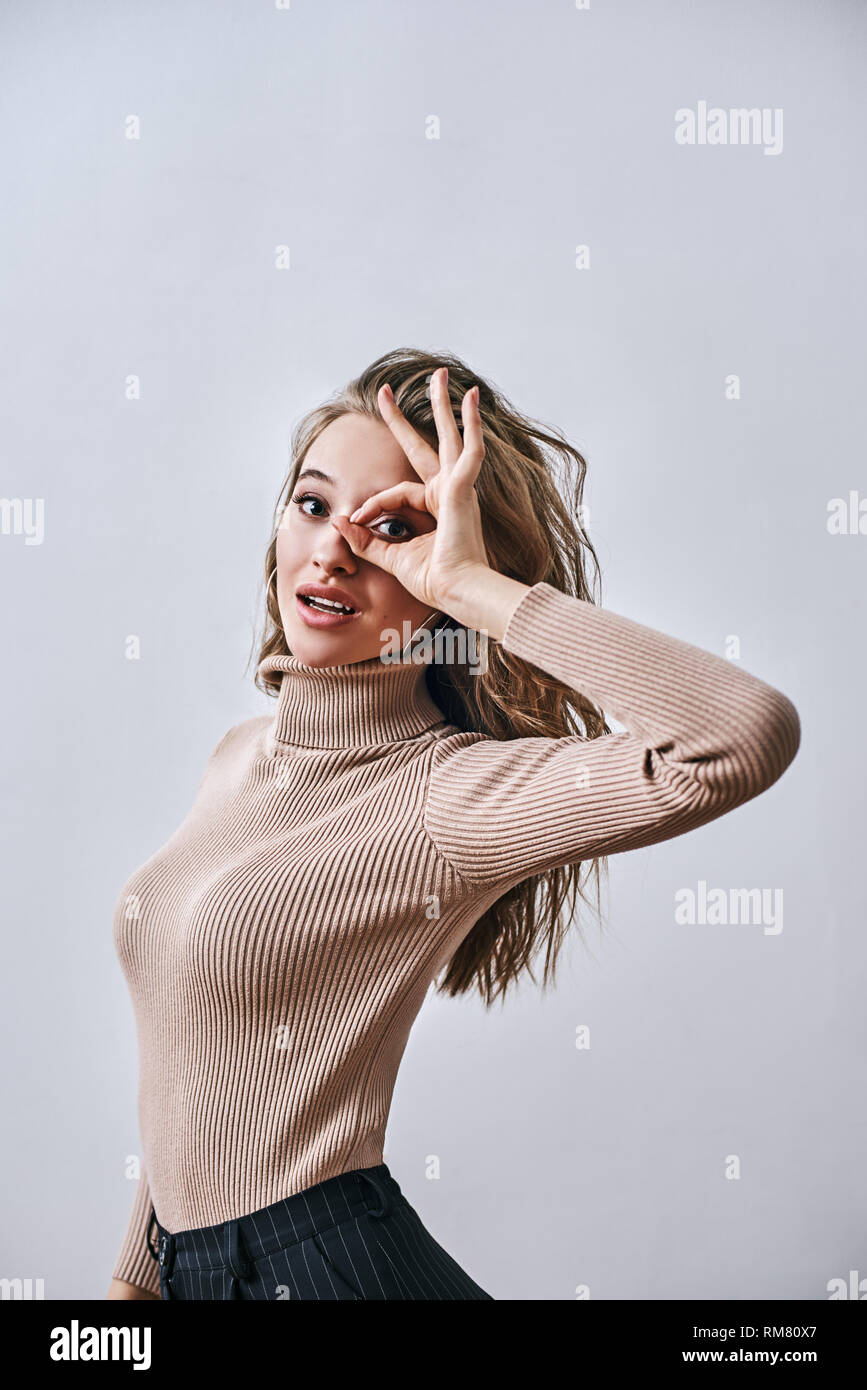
(135, 1263)
(702, 737)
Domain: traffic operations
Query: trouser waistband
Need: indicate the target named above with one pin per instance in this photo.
(231, 1244)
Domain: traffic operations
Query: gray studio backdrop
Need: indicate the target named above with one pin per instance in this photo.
(567, 197)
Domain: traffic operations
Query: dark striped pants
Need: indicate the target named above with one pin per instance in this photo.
(352, 1237)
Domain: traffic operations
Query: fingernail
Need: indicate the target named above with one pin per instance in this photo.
(389, 391)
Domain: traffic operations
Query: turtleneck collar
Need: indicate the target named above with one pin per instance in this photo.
(358, 703)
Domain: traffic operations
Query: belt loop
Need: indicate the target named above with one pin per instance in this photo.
(385, 1198)
(233, 1251)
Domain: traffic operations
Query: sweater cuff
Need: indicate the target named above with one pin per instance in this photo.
(136, 1263)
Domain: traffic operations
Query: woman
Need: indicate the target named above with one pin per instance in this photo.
(394, 821)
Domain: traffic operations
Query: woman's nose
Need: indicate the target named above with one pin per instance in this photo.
(333, 552)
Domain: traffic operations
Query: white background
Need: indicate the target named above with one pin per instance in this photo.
(307, 127)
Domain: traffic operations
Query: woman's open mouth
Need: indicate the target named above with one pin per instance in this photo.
(318, 611)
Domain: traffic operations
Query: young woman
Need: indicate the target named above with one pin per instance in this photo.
(394, 821)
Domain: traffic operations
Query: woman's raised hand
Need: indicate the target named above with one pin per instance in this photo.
(437, 564)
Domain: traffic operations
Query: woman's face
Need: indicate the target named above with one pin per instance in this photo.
(352, 458)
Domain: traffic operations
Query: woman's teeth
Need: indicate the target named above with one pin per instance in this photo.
(326, 604)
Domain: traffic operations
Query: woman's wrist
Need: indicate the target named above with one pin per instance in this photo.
(483, 599)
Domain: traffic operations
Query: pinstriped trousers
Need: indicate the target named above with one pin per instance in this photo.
(354, 1236)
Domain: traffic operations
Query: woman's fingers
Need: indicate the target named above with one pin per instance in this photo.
(447, 430)
(420, 454)
(467, 469)
(459, 457)
(405, 494)
(370, 547)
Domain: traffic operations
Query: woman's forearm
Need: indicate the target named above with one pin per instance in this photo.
(483, 600)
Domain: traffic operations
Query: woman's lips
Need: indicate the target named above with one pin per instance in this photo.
(317, 617)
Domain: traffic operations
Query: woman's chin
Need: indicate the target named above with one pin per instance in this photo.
(326, 648)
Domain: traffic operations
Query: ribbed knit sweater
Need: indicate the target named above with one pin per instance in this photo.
(279, 946)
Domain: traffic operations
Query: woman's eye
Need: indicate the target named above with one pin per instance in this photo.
(308, 497)
(404, 534)
(394, 521)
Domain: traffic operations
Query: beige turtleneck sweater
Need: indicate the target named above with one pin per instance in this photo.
(279, 946)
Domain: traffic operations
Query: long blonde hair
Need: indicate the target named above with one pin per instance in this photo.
(533, 529)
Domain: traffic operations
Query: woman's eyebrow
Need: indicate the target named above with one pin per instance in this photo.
(315, 473)
(325, 478)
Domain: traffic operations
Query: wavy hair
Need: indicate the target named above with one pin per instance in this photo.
(530, 488)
